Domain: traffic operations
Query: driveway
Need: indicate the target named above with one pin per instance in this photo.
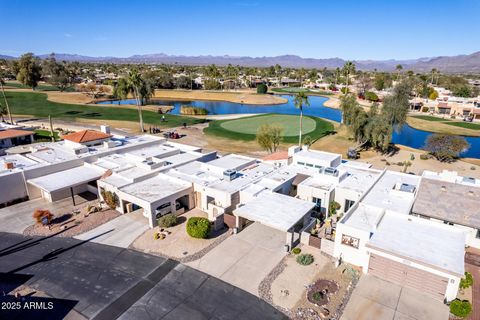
(376, 299)
(246, 258)
(119, 232)
(94, 281)
(18, 217)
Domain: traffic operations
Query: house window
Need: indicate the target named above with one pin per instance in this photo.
(300, 163)
(348, 204)
(318, 202)
(350, 241)
(309, 165)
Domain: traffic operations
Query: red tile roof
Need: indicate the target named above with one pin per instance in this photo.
(279, 155)
(14, 133)
(86, 136)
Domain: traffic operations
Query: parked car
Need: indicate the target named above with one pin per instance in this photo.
(166, 209)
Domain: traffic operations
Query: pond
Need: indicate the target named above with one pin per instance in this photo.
(406, 136)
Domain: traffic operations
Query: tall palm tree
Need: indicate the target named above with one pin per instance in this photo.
(399, 69)
(6, 101)
(301, 99)
(135, 84)
(434, 71)
(348, 69)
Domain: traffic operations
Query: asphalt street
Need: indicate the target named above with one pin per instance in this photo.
(106, 282)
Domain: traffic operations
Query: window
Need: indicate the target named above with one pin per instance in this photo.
(300, 163)
(348, 204)
(318, 202)
(309, 165)
(350, 241)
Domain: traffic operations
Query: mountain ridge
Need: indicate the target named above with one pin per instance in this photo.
(458, 63)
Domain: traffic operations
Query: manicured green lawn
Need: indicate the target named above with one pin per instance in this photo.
(431, 118)
(245, 128)
(41, 87)
(37, 105)
(467, 125)
(289, 123)
(45, 134)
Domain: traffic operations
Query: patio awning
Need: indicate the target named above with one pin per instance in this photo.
(66, 179)
(275, 210)
(299, 178)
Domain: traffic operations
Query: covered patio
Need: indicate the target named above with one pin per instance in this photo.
(277, 211)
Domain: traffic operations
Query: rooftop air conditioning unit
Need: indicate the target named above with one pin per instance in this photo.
(229, 174)
(329, 171)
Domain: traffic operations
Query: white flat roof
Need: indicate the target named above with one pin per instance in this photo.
(365, 218)
(155, 188)
(383, 194)
(318, 155)
(275, 210)
(359, 179)
(231, 161)
(66, 178)
(433, 244)
(18, 161)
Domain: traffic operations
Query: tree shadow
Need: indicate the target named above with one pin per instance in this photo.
(73, 112)
(92, 115)
(61, 219)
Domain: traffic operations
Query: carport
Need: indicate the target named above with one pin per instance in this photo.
(277, 211)
(62, 184)
(156, 195)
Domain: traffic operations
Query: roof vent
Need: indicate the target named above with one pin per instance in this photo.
(229, 174)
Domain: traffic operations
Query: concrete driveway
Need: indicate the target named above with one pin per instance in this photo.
(376, 299)
(119, 232)
(246, 258)
(18, 217)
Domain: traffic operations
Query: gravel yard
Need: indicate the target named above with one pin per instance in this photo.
(177, 244)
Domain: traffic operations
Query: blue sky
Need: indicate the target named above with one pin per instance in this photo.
(314, 29)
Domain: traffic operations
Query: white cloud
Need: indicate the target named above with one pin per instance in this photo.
(68, 35)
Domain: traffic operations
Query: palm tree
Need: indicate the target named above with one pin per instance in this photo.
(137, 87)
(6, 102)
(434, 71)
(399, 69)
(348, 69)
(301, 99)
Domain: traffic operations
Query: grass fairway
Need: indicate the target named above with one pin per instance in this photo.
(37, 105)
(246, 128)
(40, 87)
(467, 125)
(431, 118)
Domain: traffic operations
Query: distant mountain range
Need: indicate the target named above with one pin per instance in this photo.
(460, 63)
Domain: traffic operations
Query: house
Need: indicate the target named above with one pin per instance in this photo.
(460, 198)
(14, 137)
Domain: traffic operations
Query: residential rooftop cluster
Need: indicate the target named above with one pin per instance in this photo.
(397, 226)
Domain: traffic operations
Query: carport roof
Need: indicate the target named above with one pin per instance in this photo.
(156, 188)
(66, 178)
(275, 210)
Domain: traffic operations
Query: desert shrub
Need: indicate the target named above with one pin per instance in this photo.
(344, 90)
(305, 259)
(460, 308)
(371, 96)
(167, 221)
(296, 250)
(333, 207)
(39, 216)
(473, 168)
(424, 157)
(198, 227)
(308, 141)
(467, 281)
(262, 88)
(110, 198)
(400, 163)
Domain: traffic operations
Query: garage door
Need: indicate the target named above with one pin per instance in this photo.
(405, 275)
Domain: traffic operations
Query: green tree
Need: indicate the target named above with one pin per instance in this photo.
(445, 148)
(399, 69)
(29, 70)
(262, 88)
(348, 69)
(396, 106)
(56, 73)
(269, 136)
(301, 99)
